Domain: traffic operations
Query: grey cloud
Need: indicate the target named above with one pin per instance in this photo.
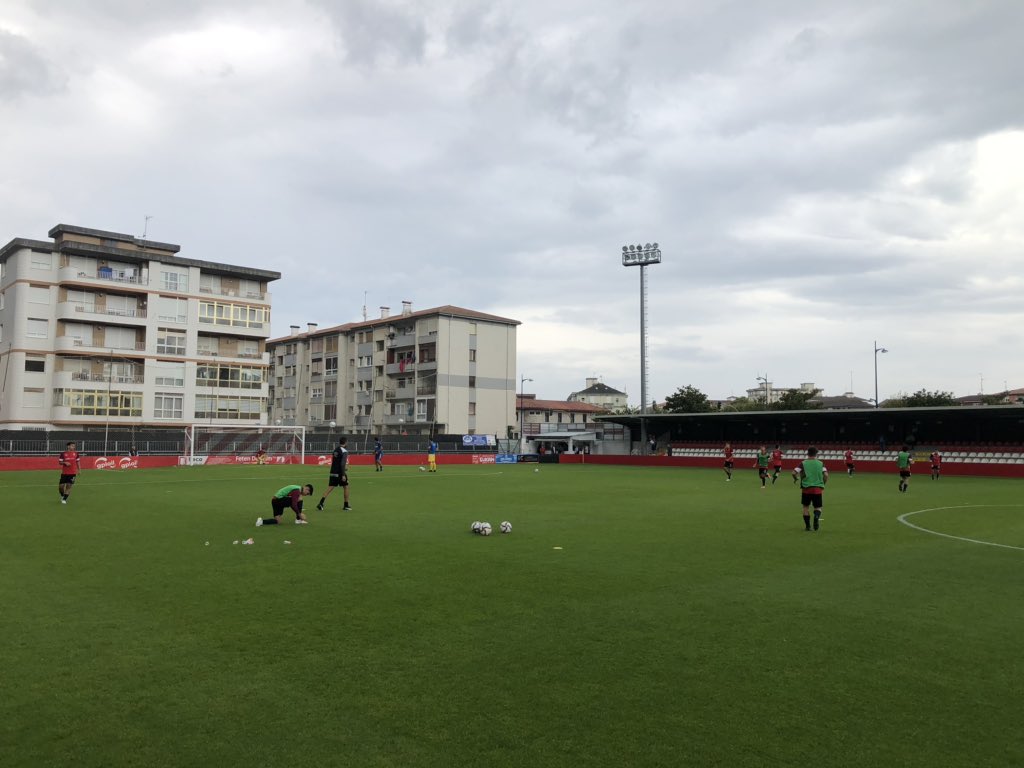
(24, 68)
(371, 31)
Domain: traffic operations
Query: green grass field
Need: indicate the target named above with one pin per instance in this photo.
(683, 621)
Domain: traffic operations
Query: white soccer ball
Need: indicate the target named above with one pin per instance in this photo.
(423, 469)
(485, 529)
(506, 526)
(334, 424)
(536, 470)
(475, 527)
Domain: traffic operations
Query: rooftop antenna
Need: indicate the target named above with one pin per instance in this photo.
(364, 306)
(145, 227)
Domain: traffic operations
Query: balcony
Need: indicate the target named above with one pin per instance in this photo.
(75, 311)
(73, 343)
(396, 368)
(103, 277)
(394, 419)
(398, 393)
(427, 365)
(260, 357)
(363, 398)
(360, 421)
(248, 295)
(75, 379)
(403, 340)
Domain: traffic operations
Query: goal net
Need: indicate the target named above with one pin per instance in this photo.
(210, 444)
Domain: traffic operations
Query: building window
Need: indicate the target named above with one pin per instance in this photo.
(35, 365)
(32, 397)
(472, 409)
(93, 403)
(472, 355)
(331, 366)
(171, 309)
(37, 328)
(41, 260)
(174, 281)
(168, 406)
(169, 374)
(170, 342)
(472, 382)
(228, 407)
(38, 294)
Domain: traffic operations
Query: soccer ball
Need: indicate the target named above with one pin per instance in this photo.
(334, 424)
(506, 526)
(485, 529)
(423, 469)
(475, 527)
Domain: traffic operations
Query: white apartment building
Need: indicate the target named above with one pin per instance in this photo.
(445, 370)
(102, 328)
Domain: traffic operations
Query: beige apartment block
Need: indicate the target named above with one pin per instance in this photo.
(102, 328)
(445, 370)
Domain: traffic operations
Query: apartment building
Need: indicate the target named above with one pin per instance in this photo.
(445, 370)
(104, 328)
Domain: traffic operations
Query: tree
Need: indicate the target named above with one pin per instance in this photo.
(795, 400)
(687, 399)
(920, 399)
(743, 404)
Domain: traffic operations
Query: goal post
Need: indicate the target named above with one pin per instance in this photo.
(215, 444)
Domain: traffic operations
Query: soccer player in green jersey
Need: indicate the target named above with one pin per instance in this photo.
(288, 497)
(813, 475)
(903, 461)
(763, 457)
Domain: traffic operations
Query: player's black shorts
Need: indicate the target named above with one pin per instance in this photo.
(333, 481)
(282, 505)
(849, 465)
(936, 467)
(904, 473)
(762, 471)
(67, 479)
(811, 500)
(728, 465)
(776, 468)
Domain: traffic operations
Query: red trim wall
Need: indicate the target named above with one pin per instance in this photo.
(149, 462)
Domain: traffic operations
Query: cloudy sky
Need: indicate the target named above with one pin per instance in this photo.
(819, 175)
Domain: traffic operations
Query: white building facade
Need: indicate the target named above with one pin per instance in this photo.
(102, 328)
(445, 370)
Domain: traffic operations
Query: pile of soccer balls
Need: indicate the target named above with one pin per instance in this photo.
(484, 529)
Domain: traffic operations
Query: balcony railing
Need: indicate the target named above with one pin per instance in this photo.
(92, 309)
(234, 294)
(102, 377)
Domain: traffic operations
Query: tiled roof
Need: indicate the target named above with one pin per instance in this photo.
(599, 389)
(530, 403)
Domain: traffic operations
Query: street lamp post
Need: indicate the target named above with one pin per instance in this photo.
(110, 379)
(766, 392)
(641, 256)
(877, 350)
(522, 414)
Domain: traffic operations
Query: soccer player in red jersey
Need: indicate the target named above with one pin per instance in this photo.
(849, 461)
(936, 458)
(776, 463)
(70, 466)
(728, 462)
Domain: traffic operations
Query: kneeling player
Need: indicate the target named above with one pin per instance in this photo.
(288, 497)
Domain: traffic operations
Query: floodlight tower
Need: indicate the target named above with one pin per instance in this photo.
(641, 256)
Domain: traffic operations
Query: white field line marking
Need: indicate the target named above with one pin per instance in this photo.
(903, 519)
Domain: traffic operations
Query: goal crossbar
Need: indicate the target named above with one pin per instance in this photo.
(206, 440)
